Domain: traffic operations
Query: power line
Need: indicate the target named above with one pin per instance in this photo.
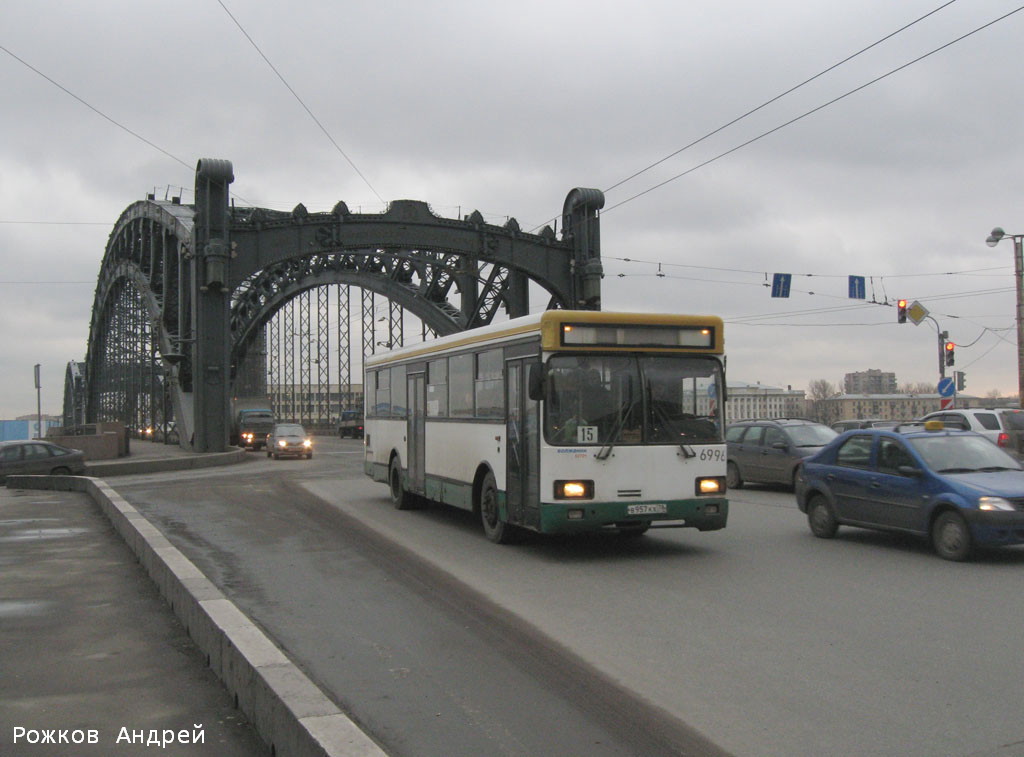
(103, 115)
(299, 100)
(97, 111)
(809, 275)
(59, 223)
(779, 96)
(812, 111)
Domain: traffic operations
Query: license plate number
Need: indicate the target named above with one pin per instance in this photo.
(646, 509)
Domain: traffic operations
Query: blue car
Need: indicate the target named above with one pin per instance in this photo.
(956, 488)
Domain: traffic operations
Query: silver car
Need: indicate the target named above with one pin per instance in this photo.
(36, 457)
(289, 440)
(770, 451)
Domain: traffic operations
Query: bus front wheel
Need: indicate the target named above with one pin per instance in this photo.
(494, 527)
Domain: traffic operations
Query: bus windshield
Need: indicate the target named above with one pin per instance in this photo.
(627, 399)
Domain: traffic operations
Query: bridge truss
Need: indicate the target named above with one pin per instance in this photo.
(196, 304)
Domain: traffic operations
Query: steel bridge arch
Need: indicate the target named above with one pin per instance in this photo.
(184, 291)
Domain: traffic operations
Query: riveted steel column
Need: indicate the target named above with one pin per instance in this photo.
(581, 225)
(210, 306)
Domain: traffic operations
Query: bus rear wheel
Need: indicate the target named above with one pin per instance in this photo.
(494, 527)
(400, 498)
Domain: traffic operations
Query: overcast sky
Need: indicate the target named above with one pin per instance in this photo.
(505, 107)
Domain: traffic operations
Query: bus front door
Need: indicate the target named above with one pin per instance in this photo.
(416, 431)
(522, 449)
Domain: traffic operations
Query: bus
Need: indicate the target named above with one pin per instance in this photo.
(558, 422)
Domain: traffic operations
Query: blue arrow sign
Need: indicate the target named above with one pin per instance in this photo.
(780, 284)
(946, 387)
(857, 289)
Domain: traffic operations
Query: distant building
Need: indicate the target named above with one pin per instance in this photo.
(760, 401)
(894, 407)
(314, 405)
(872, 381)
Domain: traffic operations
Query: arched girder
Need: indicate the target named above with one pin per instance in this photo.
(246, 328)
(262, 238)
(148, 250)
(74, 394)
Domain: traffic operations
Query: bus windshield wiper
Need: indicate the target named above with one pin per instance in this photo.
(606, 450)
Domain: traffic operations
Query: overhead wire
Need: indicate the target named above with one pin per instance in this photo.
(103, 115)
(300, 101)
(778, 97)
(811, 112)
(97, 111)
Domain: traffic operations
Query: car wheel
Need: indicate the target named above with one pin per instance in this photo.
(400, 498)
(820, 517)
(269, 453)
(494, 528)
(951, 537)
(733, 480)
(309, 456)
(61, 471)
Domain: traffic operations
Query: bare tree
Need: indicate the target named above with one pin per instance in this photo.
(821, 389)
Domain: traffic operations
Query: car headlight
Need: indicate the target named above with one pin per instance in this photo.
(994, 503)
(307, 442)
(282, 443)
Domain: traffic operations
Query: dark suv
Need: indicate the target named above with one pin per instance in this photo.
(770, 450)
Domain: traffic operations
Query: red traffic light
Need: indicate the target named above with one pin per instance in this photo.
(950, 355)
(901, 311)
(950, 346)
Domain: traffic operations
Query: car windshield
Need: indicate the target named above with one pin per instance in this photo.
(962, 454)
(622, 399)
(290, 431)
(811, 435)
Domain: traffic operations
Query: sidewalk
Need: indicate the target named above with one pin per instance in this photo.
(87, 644)
(113, 642)
(151, 457)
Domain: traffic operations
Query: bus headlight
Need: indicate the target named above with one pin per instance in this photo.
(574, 489)
(710, 485)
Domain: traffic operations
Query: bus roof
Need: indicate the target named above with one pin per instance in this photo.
(585, 329)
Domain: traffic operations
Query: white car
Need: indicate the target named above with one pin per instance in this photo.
(986, 421)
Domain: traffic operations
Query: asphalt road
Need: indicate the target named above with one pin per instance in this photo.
(756, 640)
(423, 663)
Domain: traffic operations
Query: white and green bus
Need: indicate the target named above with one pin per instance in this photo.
(559, 422)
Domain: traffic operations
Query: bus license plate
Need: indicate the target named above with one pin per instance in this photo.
(646, 509)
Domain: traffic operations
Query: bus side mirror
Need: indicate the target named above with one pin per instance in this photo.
(535, 381)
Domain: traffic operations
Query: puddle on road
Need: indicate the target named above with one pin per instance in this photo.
(13, 608)
(40, 534)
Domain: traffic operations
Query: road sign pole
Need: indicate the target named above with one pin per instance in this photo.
(943, 336)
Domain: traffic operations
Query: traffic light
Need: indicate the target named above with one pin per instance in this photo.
(901, 311)
(961, 380)
(950, 356)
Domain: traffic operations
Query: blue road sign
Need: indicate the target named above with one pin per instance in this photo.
(780, 284)
(946, 387)
(857, 289)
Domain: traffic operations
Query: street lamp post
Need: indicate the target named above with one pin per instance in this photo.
(1018, 263)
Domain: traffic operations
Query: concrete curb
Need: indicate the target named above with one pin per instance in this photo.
(288, 710)
(102, 468)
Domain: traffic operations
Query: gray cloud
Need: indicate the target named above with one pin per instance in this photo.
(504, 108)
